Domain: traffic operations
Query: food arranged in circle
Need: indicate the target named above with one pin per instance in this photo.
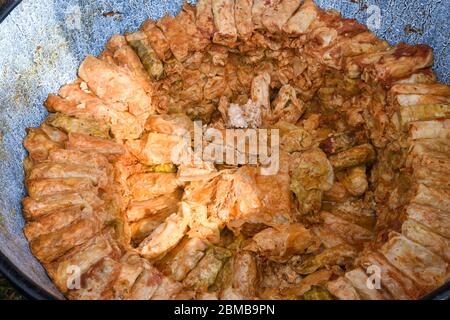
(244, 149)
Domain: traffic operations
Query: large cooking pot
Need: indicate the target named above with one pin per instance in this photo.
(43, 42)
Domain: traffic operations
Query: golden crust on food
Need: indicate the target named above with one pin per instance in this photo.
(120, 207)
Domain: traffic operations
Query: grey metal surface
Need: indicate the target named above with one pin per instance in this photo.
(42, 43)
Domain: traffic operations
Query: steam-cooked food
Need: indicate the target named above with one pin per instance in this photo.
(283, 243)
(244, 149)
